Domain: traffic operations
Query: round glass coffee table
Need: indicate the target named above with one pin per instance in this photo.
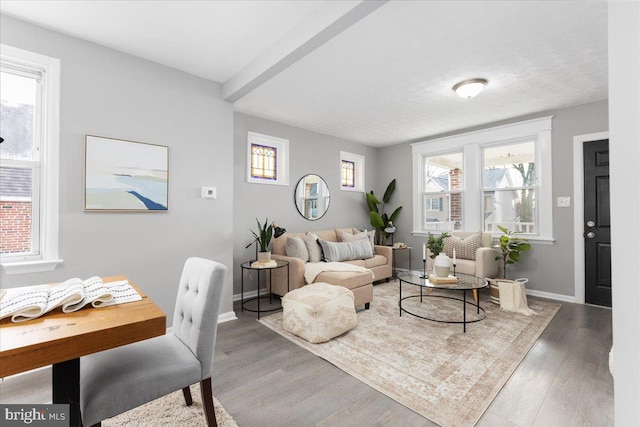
(465, 283)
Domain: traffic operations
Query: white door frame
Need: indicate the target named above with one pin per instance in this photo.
(578, 209)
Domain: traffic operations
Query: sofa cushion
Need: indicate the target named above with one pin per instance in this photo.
(465, 248)
(345, 236)
(313, 247)
(297, 248)
(346, 251)
(346, 279)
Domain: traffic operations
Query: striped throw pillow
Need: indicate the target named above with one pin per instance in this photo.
(465, 248)
(346, 251)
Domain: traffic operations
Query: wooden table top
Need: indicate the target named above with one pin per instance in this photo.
(58, 337)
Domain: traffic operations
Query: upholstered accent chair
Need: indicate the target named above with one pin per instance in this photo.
(474, 252)
(120, 379)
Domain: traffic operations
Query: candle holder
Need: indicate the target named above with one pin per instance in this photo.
(424, 269)
(454, 268)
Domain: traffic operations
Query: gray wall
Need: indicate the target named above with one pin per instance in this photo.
(108, 93)
(309, 152)
(548, 267)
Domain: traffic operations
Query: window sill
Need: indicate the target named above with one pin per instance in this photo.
(25, 267)
(352, 189)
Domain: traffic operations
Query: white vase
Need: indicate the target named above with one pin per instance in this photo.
(442, 265)
(264, 256)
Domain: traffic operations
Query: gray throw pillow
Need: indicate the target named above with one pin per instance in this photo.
(297, 248)
(343, 236)
(313, 247)
(346, 251)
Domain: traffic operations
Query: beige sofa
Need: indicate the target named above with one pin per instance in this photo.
(361, 284)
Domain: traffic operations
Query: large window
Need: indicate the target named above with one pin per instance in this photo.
(506, 181)
(29, 89)
(509, 185)
(443, 192)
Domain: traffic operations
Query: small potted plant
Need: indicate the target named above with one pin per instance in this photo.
(510, 248)
(435, 244)
(262, 239)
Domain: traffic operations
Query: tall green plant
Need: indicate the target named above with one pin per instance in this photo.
(378, 218)
(510, 248)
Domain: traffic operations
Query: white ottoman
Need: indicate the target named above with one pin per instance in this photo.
(319, 312)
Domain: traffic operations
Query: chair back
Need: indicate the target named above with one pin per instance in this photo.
(195, 318)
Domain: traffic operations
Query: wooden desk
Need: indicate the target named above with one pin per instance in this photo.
(60, 339)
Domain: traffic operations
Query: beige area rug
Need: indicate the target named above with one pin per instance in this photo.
(435, 369)
(171, 411)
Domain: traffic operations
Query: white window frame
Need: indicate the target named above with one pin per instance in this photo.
(359, 172)
(281, 146)
(47, 258)
(471, 143)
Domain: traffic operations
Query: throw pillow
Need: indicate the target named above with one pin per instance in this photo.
(344, 236)
(297, 248)
(313, 247)
(346, 251)
(465, 248)
(357, 234)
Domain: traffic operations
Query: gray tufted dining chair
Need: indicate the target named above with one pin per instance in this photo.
(117, 380)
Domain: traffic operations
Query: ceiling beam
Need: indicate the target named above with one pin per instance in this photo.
(326, 22)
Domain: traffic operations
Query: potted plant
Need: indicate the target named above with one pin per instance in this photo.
(435, 244)
(262, 239)
(510, 248)
(378, 218)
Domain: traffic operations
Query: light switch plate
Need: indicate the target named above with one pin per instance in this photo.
(564, 202)
(209, 193)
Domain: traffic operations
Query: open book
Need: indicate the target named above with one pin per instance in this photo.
(33, 301)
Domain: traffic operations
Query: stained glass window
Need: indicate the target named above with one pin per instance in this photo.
(348, 174)
(264, 162)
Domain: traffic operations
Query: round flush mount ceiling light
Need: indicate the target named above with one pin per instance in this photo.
(470, 88)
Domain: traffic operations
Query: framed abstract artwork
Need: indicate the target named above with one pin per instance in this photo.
(125, 176)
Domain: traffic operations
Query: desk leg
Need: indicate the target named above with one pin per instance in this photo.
(66, 387)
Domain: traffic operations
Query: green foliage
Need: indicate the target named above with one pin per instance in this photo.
(510, 248)
(378, 218)
(436, 244)
(263, 237)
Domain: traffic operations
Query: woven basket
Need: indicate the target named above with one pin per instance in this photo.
(494, 288)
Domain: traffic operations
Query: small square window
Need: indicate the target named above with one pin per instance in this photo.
(348, 178)
(267, 159)
(264, 162)
(351, 171)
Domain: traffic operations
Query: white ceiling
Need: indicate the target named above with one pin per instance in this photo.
(374, 72)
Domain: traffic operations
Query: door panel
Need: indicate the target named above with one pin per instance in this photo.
(597, 225)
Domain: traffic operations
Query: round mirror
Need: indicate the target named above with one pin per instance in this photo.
(312, 197)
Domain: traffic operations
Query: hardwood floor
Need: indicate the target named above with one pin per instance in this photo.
(263, 379)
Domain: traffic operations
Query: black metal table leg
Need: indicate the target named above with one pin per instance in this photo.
(241, 289)
(464, 310)
(66, 387)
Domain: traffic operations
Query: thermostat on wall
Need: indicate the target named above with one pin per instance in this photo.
(208, 193)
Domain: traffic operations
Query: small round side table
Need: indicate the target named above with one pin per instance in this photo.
(247, 266)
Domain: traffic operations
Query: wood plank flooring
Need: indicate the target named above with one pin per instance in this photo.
(264, 380)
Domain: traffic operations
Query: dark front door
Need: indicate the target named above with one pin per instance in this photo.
(597, 223)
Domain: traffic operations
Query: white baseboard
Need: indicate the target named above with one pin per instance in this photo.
(250, 294)
(227, 317)
(550, 295)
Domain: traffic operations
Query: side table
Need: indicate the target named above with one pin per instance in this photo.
(394, 271)
(246, 266)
